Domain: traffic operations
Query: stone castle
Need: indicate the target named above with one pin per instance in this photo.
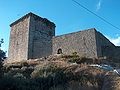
(33, 37)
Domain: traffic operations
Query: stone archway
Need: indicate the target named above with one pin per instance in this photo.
(59, 51)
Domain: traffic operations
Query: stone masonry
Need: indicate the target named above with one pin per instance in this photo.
(31, 37)
(34, 37)
(82, 42)
(18, 46)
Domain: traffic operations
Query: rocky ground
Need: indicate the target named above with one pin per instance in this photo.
(58, 72)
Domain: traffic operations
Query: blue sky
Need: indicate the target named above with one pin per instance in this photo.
(67, 15)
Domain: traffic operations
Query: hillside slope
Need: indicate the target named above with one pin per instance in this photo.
(57, 72)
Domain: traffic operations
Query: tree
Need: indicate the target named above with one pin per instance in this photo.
(2, 53)
(2, 57)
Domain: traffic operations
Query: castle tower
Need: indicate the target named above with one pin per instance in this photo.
(30, 38)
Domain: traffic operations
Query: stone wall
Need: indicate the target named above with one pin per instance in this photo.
(112, 52)
(34, 37)
(31, 37)
(117, 52)
(82, 42)
(40, 37)
(102, 42)
(18, 45)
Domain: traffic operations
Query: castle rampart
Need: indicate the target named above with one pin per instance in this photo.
(34, 37)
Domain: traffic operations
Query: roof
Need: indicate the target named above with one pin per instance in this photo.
(34, 15)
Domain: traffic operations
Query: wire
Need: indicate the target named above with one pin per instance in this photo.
(96, 15)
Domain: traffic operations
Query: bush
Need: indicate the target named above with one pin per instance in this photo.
(10, 83)
(47, 75)
(2, 53)
(74, 58)
(77, 59)
(45, 70)
(74, 53)
(24, 63)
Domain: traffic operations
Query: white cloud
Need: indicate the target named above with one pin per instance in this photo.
(98, 7)
(115, 41)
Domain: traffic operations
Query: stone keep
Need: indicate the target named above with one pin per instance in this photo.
(33, 37)
(30, 38)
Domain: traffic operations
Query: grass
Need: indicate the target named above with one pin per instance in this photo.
(42, 76)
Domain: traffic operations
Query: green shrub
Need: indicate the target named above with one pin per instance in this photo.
(46, 76)
(74, 53)
(24, 63)
(45, 70)
(74, 59)
(77, 59)
(10, 83)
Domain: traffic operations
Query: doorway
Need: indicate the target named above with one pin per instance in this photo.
(59, 51)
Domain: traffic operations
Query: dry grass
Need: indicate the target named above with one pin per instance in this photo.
(57, 70)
